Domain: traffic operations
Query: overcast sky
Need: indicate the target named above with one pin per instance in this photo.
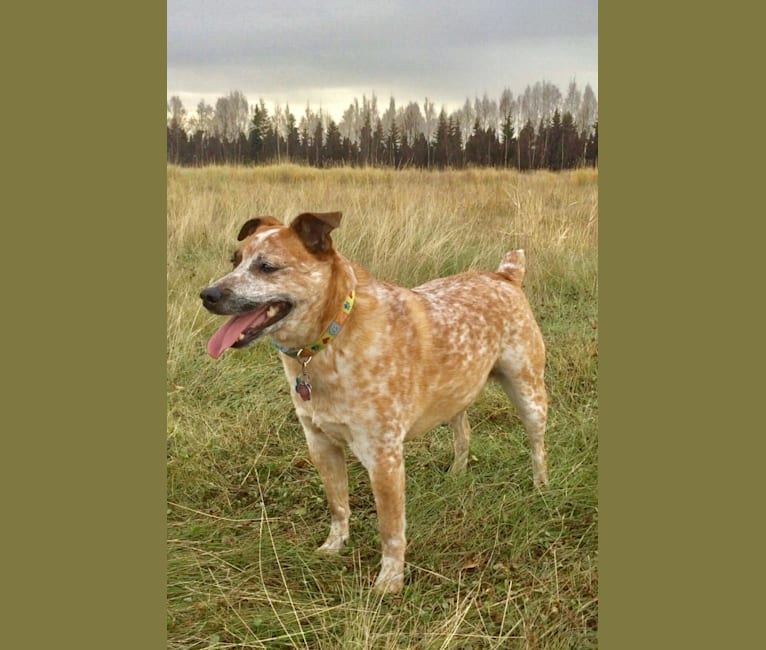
(327, 53)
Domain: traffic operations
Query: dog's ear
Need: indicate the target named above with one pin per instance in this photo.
(314, 229)
(251, 225)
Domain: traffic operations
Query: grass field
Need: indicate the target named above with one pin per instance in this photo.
(491, 563)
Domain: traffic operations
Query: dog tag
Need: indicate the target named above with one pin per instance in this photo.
(303, 389)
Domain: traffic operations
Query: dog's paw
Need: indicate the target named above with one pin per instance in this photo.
(391, 577)
(333, 545)
(457, 468)
(540, 479)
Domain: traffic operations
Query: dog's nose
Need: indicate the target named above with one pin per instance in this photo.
(210, 296)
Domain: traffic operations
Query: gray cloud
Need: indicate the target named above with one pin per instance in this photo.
(446, 50)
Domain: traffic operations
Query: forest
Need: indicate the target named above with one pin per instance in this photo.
(541, 128)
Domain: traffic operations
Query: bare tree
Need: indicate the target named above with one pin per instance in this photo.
(466, 119)
(278, 122)
(202, 120)
(528, 109)
(507, 109)
(176, 133)
(412, 122)
(231, 116)
(308, 126)
(573, 100)
(370, 107)
(588, 114)
(486, 111)
(506, 105)
(389, 116)
(289, 125)
(176, 112)
(351, 124)
(539, 102)
(429, 125)
(551, 100)
(354, 117)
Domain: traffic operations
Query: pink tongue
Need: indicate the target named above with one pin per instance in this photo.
(225, 337)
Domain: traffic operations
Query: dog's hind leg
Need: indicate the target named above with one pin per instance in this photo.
(461, 430)
(330, 461)
(522, 380)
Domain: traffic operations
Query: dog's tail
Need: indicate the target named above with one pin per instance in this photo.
(513, 266)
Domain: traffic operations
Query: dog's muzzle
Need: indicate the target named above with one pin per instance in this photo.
(211, 296)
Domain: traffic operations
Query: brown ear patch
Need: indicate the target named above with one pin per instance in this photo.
(313, 229)
(251, 225)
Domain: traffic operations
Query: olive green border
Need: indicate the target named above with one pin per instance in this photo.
(84, 350)
(679, 191)
(84, 246)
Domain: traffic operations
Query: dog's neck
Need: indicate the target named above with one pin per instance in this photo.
(336, 311)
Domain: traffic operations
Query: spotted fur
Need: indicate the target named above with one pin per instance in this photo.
(406, 361)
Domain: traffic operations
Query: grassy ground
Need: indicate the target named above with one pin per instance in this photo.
(490, 562)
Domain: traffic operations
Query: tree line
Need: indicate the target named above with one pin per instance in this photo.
(539, 129)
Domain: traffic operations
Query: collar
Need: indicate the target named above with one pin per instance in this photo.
(334, 328)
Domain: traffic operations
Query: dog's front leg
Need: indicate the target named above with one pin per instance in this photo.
(330, 461)
(386, 469)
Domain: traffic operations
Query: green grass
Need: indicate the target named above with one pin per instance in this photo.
(491, 563)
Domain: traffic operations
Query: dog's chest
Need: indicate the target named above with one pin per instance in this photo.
(344, 401)
(338, 421)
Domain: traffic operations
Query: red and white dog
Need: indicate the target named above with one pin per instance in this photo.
(373, 364)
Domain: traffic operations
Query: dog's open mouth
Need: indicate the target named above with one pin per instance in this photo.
(243, 329)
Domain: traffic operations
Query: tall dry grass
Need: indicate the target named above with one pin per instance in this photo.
(456, 219)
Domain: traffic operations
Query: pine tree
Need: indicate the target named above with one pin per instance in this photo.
(378, 142)
(317, 144)
(591, 148)
(177, 139)
(554, 151)
(257, 132)
(420, 151)
(442, 144)
(473, 146)
(291, 144)
(393, 143)
(365, 141)
(525, 147)
(304, 142)
(493, 147)
(509, 143)
(177, 143)
(540, 147)
(455, 142)
(570, 142)
(333, 147)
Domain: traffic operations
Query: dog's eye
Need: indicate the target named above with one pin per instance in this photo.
(236, 258)
(261, 266)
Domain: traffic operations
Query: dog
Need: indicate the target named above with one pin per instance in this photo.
(373, 364)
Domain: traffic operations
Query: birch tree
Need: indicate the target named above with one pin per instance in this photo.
(351, 125)
(176, 112)
(412, 122)
(466, 118)
(202, 120)
(278, 123)
(587, 116)
(573, 100)
(389, 116)
(429, 125)
(231, 116)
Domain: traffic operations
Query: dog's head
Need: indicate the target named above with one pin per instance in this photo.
(279, 278)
